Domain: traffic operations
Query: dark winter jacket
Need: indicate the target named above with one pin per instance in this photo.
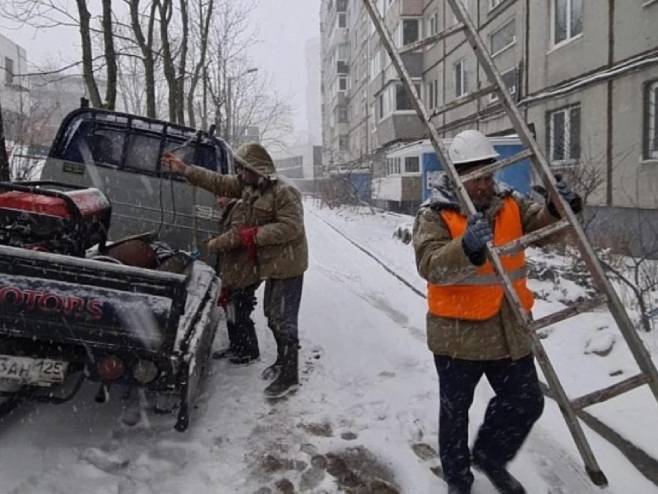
(236, 268)
(441, 259)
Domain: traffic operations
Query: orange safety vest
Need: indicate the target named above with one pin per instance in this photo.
(480, 296)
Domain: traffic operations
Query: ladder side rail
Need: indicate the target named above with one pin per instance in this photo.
(572, 423)
(591, 465)
(637, 348)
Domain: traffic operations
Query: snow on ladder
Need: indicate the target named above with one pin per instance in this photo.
(569, 408)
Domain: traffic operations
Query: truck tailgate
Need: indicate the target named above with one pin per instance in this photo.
(57, 298)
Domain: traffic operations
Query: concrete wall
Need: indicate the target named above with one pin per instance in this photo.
(14, 95)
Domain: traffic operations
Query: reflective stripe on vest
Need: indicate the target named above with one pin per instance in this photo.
(479, 297)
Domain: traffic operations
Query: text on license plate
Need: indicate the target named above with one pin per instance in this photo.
(27, 370)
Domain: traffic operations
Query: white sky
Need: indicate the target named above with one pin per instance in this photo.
(284, 27)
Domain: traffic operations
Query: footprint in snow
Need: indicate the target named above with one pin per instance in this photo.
(105, 461)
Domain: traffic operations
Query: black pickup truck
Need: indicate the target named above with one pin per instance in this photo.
(81, 300)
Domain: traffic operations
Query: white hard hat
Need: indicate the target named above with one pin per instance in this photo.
(470, 146)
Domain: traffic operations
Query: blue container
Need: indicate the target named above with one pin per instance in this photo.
(361, 183)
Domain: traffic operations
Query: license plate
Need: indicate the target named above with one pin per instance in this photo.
(38, 371)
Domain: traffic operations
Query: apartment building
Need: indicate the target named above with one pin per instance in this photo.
(14, 93)
(584, 72)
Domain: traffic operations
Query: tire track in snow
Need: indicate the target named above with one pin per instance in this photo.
(372, 256)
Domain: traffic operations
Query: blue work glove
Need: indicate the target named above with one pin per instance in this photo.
(475, 239)
(571, 198)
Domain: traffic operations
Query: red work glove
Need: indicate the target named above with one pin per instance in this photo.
(224, 297)
(248, 239)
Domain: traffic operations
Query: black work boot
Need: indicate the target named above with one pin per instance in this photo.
(498, 475)
(287, 381)
(271, 372)
(459, 489)
(244, 358)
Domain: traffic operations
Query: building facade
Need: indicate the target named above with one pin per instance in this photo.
(584, 72)
(14, 93)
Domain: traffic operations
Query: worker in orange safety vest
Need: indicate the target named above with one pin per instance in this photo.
(471, 328)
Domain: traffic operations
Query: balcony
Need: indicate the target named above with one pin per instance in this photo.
(400, 126)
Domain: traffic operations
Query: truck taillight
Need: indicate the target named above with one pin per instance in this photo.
(145, 371)
(111, 368)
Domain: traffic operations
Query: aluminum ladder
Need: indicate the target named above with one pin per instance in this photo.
(606, 295)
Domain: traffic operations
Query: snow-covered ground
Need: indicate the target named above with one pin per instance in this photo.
(365, 417)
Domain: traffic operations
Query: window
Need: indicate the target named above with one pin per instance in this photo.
(393, 166)
(342, 83)
(564, 135)
(503, 38)
(342, 114)
(460, 78)
(403, 98)
(651, 120)
(381, 106)
(567, 19)
(343, 51)
(343, 143)
(433, 24)
(375, 63)
(432, 94)
(342, 20)
(9, 71)
(410, 31)
(411, 164)
(510, 78)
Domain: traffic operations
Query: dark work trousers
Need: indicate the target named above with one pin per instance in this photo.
(241, 328)
(509, 417)
(281, 305)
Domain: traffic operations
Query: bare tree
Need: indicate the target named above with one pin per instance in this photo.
(146, 46)
(639, 274)
(204, 14)
(174, 58)
(257, 104)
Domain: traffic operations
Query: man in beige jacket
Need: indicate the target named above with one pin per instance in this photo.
(470, 326)
(273, 235)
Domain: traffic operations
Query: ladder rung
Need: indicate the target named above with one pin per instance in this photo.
(431, 39)
(531, 238)
(469, 98)
(494, 167)
(609, 392)
(570, 311)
